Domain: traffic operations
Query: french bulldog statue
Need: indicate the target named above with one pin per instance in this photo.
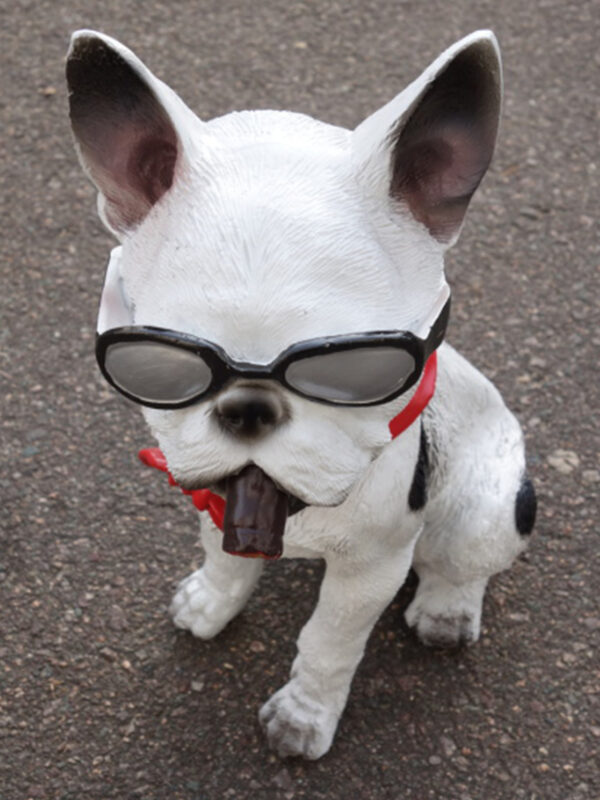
(277, 305)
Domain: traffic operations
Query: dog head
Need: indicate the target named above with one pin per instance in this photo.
(259, 230)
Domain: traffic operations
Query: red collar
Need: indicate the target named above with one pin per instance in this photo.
(205, 500)
(419, 400)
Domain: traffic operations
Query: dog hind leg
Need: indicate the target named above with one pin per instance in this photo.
(444, 614)
(455, 557)
(210, 597)
(478, 505)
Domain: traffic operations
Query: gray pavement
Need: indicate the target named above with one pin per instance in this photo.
(101, 696)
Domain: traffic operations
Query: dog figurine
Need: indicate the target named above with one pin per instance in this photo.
(277, 305)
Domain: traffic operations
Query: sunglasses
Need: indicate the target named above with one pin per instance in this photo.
(166, 369)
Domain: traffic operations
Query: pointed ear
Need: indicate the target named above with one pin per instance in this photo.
(431, 146)
(124, 121)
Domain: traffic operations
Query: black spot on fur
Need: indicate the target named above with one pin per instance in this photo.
(417, 497)
(525, 507)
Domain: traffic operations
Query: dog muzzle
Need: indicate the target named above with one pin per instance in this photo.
(254, 515)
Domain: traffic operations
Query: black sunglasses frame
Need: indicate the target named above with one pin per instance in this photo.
(224, 369)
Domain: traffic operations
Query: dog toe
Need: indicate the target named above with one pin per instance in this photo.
(444, 614)
(446, 631)
(296, 725)
(199, 607)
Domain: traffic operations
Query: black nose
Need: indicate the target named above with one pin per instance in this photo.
(249, 411)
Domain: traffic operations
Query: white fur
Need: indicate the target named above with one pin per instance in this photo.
(279, 228)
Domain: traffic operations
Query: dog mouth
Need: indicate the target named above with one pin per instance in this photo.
(256, 513)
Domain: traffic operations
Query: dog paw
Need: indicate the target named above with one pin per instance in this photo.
(202, 608)
(297, 725)
(444, 630)
(445, 615)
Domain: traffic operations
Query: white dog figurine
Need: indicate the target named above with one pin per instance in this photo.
(276, 305)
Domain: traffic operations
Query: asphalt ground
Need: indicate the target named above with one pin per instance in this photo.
(101, 696)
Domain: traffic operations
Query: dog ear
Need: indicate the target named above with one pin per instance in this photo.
(431, 146)
(125, 125)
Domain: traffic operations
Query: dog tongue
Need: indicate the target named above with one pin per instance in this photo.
(255, 515)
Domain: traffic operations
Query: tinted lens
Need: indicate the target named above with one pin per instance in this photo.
(362, 375)
(157, 373)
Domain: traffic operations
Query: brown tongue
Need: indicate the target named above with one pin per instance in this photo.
(255, 515)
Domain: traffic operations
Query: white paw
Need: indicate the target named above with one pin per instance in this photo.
(297, 725)
(204, 609)
(444, 615)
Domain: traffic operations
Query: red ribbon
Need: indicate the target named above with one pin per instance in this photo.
(205, 500)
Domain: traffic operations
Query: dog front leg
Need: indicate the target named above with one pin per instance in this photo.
(301, 718)
(210, 597)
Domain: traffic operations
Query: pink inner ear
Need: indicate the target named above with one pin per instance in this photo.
(418, 174)
(133, 169)
(151, 167)
(437, 176)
